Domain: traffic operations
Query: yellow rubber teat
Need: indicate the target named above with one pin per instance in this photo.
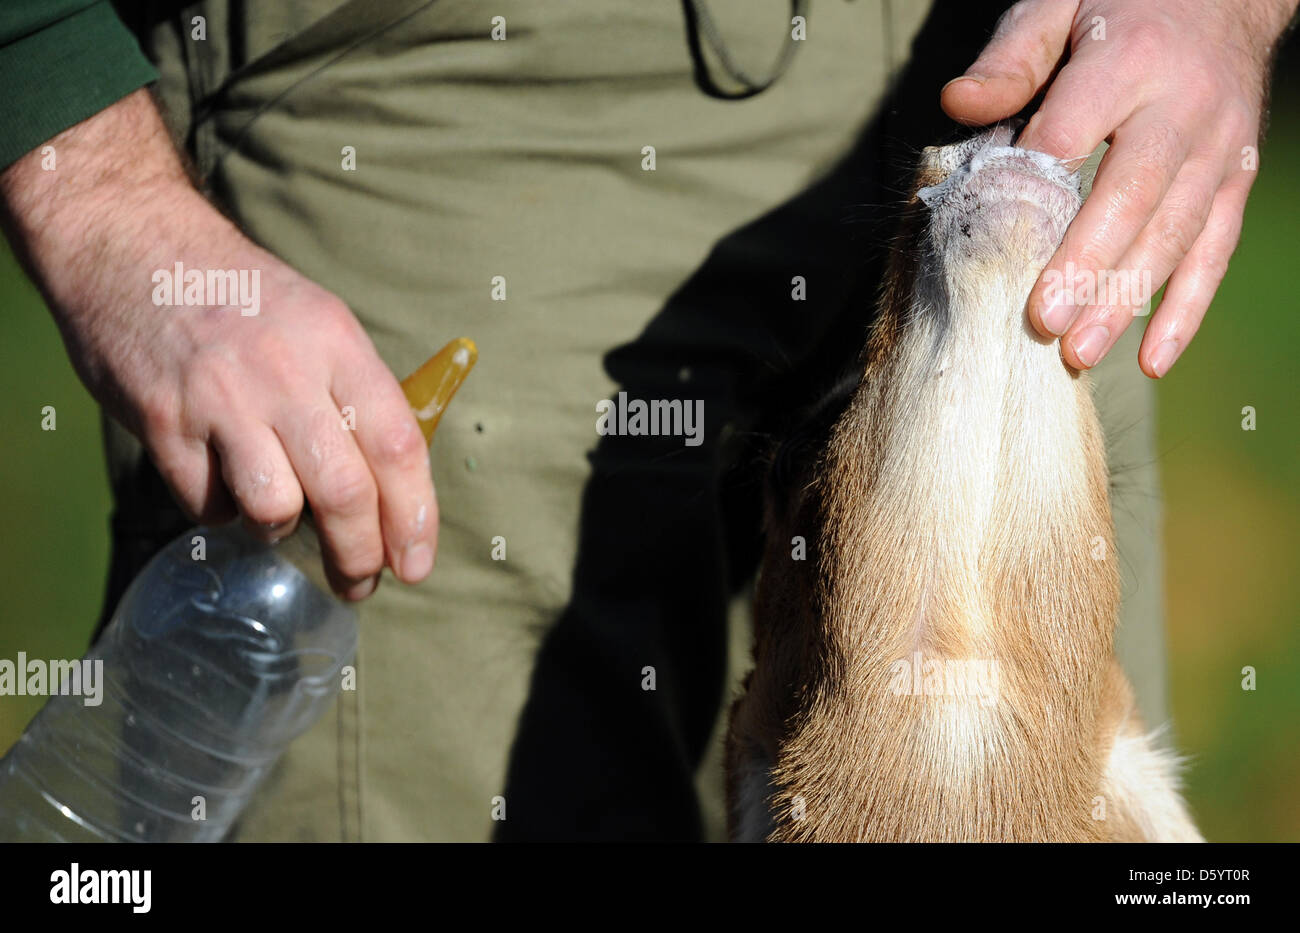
(430, 388)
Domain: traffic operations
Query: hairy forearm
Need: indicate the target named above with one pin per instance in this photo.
(1279, 16)
(62, 199)
(91, 225)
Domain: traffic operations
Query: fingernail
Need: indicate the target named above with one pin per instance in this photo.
(1164, 357)
(363, 589)
(274, 532)
(417, 561)
(1089, 345)
(1057, 315)
(973, 76)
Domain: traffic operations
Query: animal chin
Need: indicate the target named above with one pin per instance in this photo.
(999, 182)
(1015, 219)
(1006, 212)
(1010, 183)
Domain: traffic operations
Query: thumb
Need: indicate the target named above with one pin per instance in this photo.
(1025, 49)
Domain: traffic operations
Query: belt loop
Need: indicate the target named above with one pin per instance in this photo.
(700, 22)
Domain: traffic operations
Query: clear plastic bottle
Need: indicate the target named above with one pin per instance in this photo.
(210, 669)
(221, 652)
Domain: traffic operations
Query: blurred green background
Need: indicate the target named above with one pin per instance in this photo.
(1232, 510)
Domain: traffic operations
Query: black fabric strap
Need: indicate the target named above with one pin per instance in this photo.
(699, 22)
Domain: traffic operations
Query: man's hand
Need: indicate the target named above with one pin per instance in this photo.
(238, 412)
(1178, 88)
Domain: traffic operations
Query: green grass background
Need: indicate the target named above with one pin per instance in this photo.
(1232, 510)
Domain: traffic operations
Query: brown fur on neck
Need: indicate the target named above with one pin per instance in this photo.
(849, 758)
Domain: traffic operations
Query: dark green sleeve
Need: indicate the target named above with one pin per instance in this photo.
(61, 61)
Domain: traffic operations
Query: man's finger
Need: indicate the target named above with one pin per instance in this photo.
(341, 489)
(396, 452)
(259, 477)
(1193, 284)
(1081, 107)
(1131, 182)
(1026, 47)
(192, 471)
(1135, 277)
